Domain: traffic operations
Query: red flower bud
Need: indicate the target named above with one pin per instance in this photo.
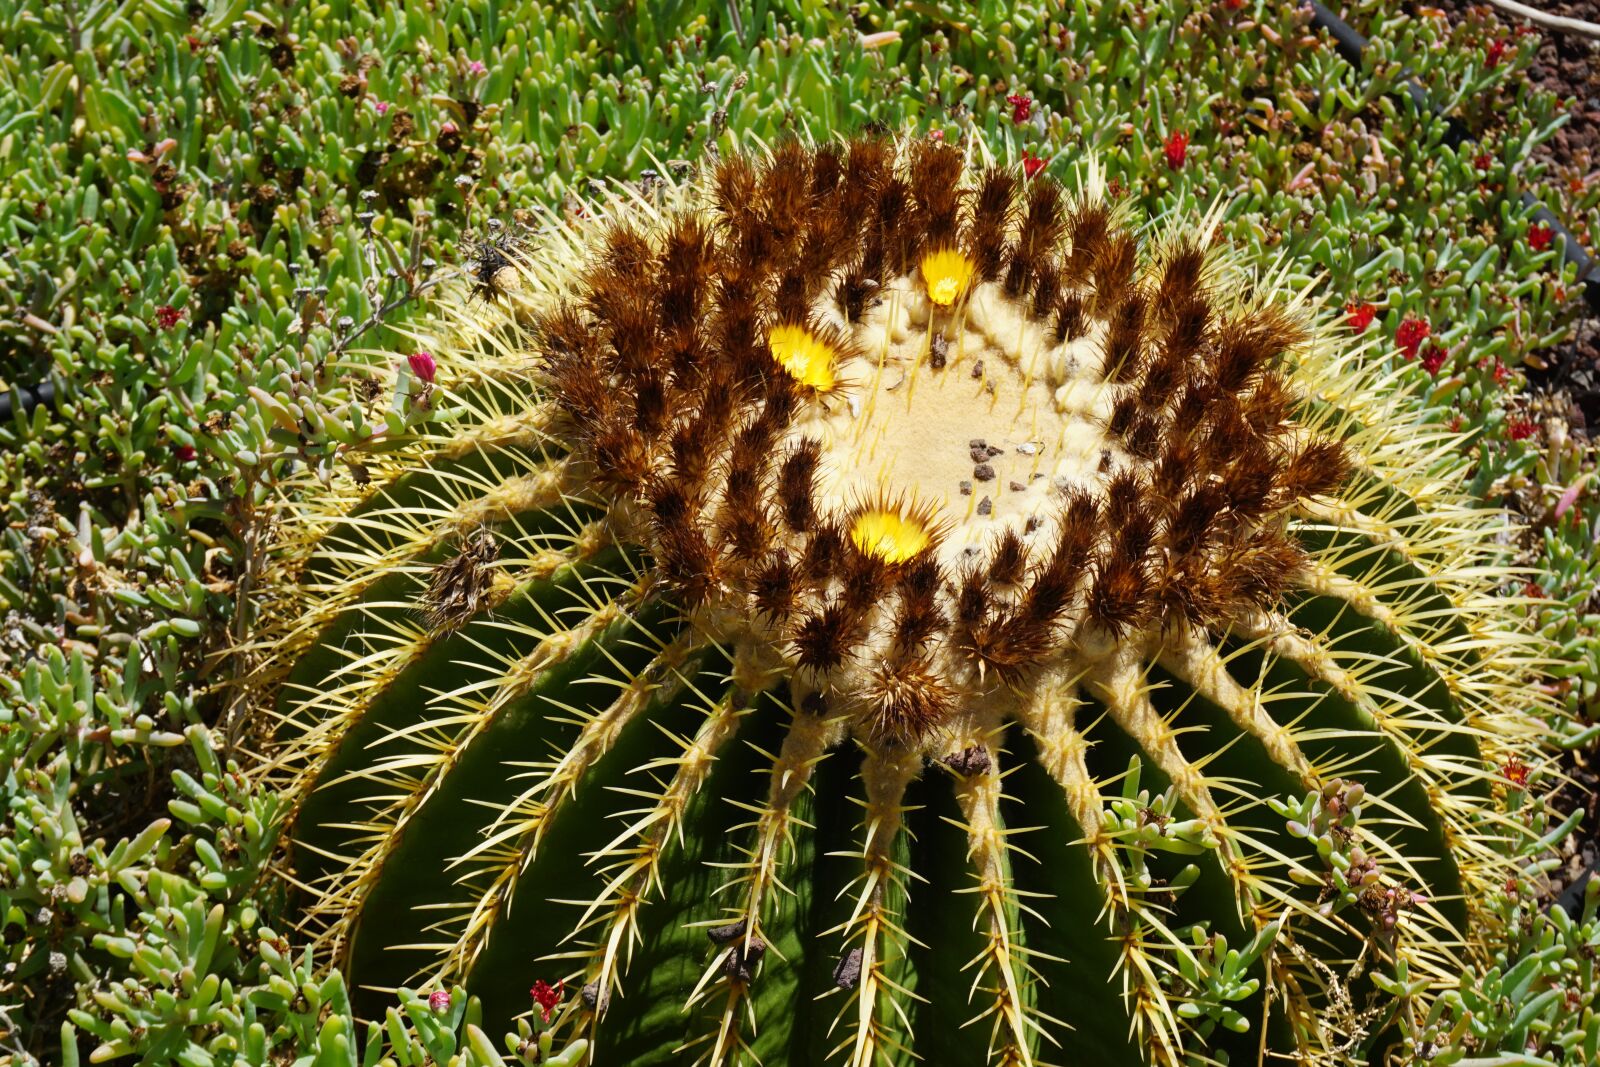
(422, 365)
(1540, 236)
(1031, 164)
(1176, 149)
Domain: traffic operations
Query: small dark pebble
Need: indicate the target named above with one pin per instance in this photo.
(1017, 487)
(592, 998)
(983, 472)
(984, 506)
(993, 451)
(966, 487)
(980, 452)
(938, 351)
(723, 934)
(848, 973)
(977, 443)
(1036, 476)
(740, 966)
(977, 369)
(968, 761)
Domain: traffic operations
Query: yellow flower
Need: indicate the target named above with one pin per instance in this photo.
(806, 357)
(890, 535)
(947, 273)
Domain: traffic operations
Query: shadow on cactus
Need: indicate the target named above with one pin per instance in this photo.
(862, 605)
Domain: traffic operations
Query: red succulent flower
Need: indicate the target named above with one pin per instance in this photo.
(1176, 149)
(184, 453)
(1502, 373)
(1540, 236)
(1515, 772)
(1410, 334)
(547, 997)
(168, 316)
(1359, 315)
(1497, 52)
(1021, 107)
(1482, 161)
(1519, 427)
(1435, 358)
(1031, 164)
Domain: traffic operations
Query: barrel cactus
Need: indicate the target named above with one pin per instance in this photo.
(857, 603)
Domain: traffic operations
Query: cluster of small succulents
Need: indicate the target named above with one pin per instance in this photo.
(219, 220)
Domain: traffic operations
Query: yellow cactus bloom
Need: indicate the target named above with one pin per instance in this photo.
(807, 358)
(891, 535)
(946, 273)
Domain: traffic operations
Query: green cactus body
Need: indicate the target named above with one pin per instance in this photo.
(859, 607)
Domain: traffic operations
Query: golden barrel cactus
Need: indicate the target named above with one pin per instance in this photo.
(858, 605)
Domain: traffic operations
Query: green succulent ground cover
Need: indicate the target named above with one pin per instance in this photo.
(217, 219)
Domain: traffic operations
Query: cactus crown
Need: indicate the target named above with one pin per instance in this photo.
(885, 462)
(871, 422)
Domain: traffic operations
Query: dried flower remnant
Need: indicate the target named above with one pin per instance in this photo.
(168, 316)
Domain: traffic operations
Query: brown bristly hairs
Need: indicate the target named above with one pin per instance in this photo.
(750, 387)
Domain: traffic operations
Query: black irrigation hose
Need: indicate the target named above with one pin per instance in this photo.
(1351, 44)
(25, 398)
